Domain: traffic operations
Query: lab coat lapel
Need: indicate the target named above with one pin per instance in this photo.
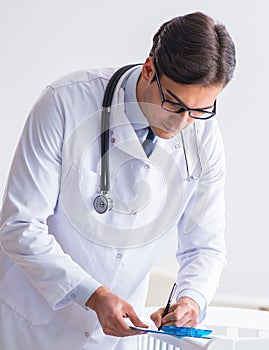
(123, 135)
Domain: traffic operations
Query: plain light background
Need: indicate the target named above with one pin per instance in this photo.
(42, 40)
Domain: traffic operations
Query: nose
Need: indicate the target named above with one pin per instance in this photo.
(184, 115)
(180, 120)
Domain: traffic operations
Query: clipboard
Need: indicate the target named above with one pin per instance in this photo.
(178, 332)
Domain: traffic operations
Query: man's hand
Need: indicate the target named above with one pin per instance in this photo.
(185, 313)
(111, 311)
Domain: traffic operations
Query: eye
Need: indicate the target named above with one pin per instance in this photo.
(171, 106)
(197, 113)
(171, 99)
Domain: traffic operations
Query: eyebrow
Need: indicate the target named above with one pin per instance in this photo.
(176, 98)
(182, 103)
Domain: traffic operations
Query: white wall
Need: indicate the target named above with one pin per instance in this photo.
(42, 40)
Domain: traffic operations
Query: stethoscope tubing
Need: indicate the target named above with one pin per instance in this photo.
(105, 126)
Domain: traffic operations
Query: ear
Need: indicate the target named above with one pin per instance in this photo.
(148, 70)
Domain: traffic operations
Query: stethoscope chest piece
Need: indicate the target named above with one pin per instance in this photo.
(102, 203)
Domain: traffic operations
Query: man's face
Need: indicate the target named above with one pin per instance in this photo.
(167, 124)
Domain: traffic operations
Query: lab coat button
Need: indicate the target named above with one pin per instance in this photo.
(146, 166)
(177, 145)
(119, 256)
(87, 334)
(113, 139)
(133, 212)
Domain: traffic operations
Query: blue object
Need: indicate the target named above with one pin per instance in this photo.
(186, 331)
(178, 332)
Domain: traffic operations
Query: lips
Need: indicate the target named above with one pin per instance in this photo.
(169, 130)
(180, 125)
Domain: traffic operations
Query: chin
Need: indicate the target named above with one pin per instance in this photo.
(163, 134)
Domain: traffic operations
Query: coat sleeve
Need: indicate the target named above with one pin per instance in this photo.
(201, 250)
(30, 198)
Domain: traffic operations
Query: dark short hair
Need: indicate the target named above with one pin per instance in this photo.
(193, 49)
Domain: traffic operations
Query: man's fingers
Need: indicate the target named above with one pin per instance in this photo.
(174, 316)
(172, 320)
(111, 311)
(156, 317)
(119, 327)
(135, 319)
(183, 313)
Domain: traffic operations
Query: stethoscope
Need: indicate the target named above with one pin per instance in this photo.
(103, 202)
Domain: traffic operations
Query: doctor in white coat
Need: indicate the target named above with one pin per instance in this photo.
(69, 276)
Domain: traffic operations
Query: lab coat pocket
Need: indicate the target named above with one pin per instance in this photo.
(19, 294)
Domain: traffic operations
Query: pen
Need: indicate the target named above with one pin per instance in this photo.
(171, 296)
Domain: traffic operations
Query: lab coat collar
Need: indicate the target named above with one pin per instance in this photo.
(122, 134)
(132, 108)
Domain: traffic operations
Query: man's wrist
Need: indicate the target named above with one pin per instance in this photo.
(191, 301)
(82, 292)
(198, 298)
(98, 293)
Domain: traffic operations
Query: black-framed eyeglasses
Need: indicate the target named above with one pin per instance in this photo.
(174, 107)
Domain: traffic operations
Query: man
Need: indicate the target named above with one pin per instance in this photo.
(69, 276)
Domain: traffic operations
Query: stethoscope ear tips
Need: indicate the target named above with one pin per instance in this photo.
(102, 203)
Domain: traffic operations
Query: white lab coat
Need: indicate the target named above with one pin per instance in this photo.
(52, 239)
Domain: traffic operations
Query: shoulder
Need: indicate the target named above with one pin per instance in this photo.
(73, 96)
(80, 92)
(210, 140)
(83, 77)
(208, 130)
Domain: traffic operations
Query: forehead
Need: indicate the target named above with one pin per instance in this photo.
(191, 95)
